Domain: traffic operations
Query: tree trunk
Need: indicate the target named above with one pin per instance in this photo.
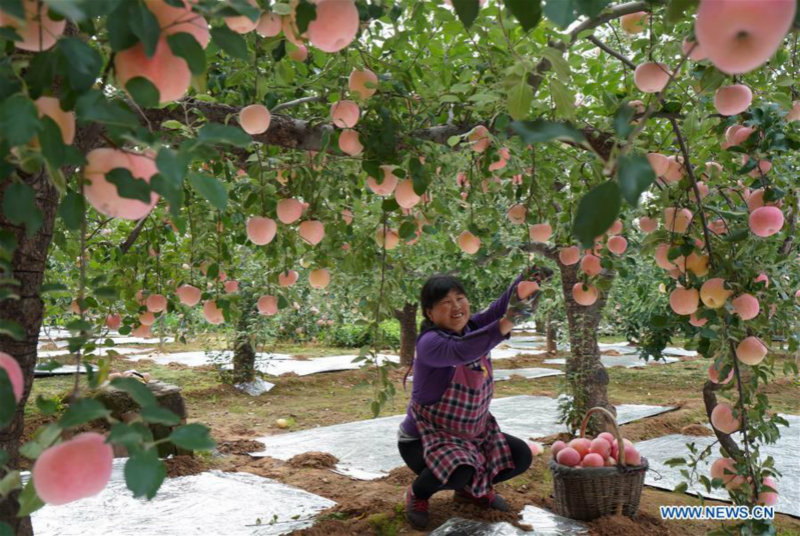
(408, 332)
(539, 325)
(244, 356)
(552, 336)
(587, 379)
(28, 265)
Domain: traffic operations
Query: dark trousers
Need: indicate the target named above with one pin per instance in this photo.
(427, 484)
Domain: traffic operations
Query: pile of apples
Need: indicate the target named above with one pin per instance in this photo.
(602, 451)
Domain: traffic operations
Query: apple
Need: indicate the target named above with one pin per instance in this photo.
(740, 35)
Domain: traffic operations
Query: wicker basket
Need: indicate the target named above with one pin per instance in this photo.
(586, 493)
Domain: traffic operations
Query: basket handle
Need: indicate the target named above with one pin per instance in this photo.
(613, 421)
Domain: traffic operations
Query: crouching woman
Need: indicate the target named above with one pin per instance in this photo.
(449, 437)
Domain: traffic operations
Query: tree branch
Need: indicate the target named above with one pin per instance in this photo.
(536, 77)
(693, 181)
(602, 46)
(128, 243)
(296, 102)
(550, 252)
(710, 401)
(611, 14)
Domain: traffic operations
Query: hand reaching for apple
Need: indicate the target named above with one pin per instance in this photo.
(521, 308)
(537, 274)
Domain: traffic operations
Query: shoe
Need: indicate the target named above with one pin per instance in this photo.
(416, 510)
(490, 500)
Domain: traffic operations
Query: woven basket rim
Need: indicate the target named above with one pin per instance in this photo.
(592, 472)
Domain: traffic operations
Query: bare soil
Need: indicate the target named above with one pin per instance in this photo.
(376, 507)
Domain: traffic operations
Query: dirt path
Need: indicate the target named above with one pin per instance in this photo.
(375, 507)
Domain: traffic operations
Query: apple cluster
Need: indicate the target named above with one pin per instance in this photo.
(602, 451)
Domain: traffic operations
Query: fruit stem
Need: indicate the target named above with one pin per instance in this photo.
(742, 414)
(693, 181)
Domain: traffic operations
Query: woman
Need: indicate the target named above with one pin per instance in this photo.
(449, 438)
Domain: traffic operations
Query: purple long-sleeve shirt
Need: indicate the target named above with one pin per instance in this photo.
(439, 351)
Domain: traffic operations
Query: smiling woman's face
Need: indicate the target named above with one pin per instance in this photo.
(451, 312)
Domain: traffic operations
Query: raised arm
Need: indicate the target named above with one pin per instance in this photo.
(441, 349)
(497, 309)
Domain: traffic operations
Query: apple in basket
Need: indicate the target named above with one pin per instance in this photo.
(598, 452)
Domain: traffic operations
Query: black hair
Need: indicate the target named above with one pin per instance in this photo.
(435, 288)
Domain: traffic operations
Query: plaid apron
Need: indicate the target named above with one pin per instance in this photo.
(460, 430)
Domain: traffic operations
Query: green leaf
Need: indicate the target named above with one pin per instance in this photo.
(737, 235)
(19, 120)
(13, 7)
(129, 186)
(419, 176)
(192, 437)
(681, 487)
(19, 207)
(231, 42)
(169, 181)
(66, 8)
(519, 99)
(48, 406)
(80, 10)
(53, 287)
(8, 403)
(563, 99)
(210, 189)
(129, 435)
(144, 25)
(120, 36)
(84, 63)
(527, 12)
(144, 473)
(159, 415)
(144, 92)
(213, 133)
(172, 192)
(29, 502)
(39, 76)
(622, 120)
(12, 329)
(676, 10)
(407, 230)
(597, 210)
(635, 176)
(185, 46)
(52, 142)
(467, 11)
(389, 205)
(92, 106)
(10, 482)
(246, 9)
(542, 130)
(559, 65)
(83, 410)
(71, 210)
(561, 12)
(31, 450)
(106, 292)
(304, 13)
(592, 8)
(138, 391)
